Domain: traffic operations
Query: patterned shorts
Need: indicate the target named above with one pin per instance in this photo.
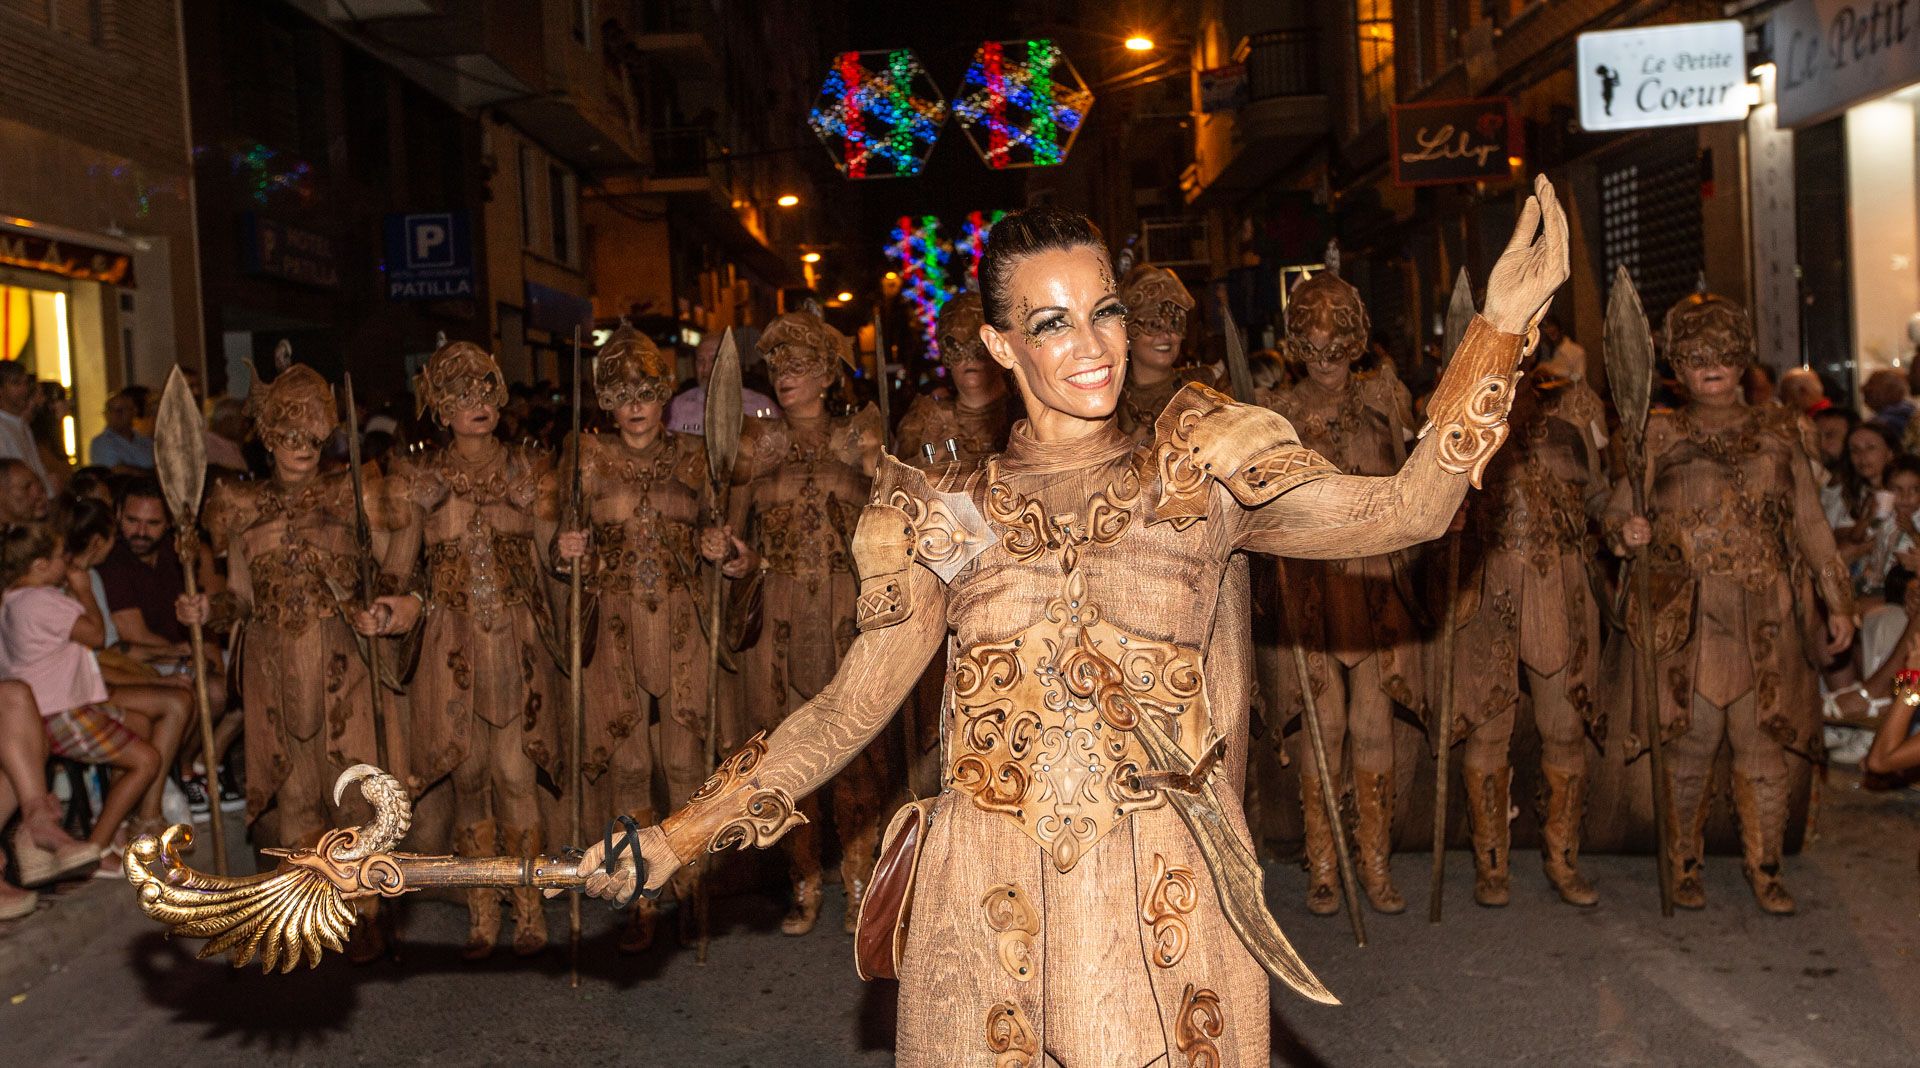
(90, 734)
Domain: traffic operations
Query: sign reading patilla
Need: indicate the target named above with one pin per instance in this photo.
(1678, 75)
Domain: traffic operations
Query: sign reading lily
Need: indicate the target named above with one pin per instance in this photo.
(878, 113)
(1022, 103)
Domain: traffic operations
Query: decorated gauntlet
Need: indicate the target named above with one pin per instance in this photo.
(733, 810)
(1469, 406)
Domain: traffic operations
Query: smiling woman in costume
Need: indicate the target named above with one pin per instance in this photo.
(1083, 882)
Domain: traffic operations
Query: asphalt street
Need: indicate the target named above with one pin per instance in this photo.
(1537, 983)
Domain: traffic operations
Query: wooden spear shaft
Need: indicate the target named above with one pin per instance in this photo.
(189, 542)
(576, 692)
(1443, 733)
(1329, 796)
(1647, 691)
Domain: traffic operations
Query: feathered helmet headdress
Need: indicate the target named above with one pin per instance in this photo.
(799, 343)
(296, 408)
(459, 376)
(631, 368)
(1157, 301)
(958, 330)
(1326, 302)
(1706, 330)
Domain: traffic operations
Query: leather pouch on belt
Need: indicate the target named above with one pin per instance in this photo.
(880, 937)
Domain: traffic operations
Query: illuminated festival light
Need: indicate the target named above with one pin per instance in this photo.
(878, 114)
(923, 269)
(1022, 103)
(973, 240)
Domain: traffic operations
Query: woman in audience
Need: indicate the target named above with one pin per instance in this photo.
(42, 851)
(45, 634)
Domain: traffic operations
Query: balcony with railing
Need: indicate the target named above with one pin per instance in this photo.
(1281, 63)
(1244, 138)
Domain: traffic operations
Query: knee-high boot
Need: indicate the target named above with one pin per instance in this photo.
(1323, 863)
(1487, 801)
(1762, 805)
(1373, 797)
(1686, 834)
(1560, 834)
(529, 911)
(480, 839)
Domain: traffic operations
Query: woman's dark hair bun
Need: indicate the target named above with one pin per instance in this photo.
(1024, 233)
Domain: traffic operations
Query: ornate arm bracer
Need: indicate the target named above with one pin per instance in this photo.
(1469, 406)
(1835, 586)
(733, 810)
(227, 609)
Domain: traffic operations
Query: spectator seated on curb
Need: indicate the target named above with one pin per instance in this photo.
(42, 851)
(44, 637)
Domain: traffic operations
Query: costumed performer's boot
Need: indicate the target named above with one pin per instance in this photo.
(806, 907)
(1560, 834)
(1373, 797)
(529, 908)
(1323, 864)
(483, 904)
(1686, 839)
(1762, 805)
(1487, 802)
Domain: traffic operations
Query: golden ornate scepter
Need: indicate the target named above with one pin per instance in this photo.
(303, 907)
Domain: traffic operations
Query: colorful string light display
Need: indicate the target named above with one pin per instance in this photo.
(923, 258)
(878, 114)
(973, 240)
(1025, 100)
(934, 271)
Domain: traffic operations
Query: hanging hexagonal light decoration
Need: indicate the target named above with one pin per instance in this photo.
(878, 113)
(1022, 103)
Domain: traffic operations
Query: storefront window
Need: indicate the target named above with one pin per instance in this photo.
(1373, 20)
(54, 328)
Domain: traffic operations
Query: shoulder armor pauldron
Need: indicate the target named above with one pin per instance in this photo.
(909, 521)
(1252, 451)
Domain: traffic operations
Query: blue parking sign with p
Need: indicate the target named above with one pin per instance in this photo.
(429, 256)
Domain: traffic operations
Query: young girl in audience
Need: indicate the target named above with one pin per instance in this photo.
(45, 635)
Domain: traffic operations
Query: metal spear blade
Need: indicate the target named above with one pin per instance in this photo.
(180, 449)
(1629, 354)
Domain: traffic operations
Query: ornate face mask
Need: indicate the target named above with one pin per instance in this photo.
(801, 344)
(294, 409)
(460, 376)
(1325, 302)
(631, 368)
(959, 331)
(1708, 331)
(1157, 302)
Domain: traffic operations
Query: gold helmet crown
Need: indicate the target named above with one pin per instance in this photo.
(1707, 329)
(1157, 301)
(458, 377)
(958, 331)
(631, 368)
(800, 343)
(295, 408)
(1326, 302)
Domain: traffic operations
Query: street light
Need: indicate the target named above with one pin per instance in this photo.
(788, 200)
(811, 257)
(844, 297)
(1139, 42)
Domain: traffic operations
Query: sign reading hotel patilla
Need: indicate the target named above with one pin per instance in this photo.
(1678, 75)
(1833, 54)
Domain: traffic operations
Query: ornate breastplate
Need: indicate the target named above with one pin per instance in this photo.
(475, 571)
(1042, 728)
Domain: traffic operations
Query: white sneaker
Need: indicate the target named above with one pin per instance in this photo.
(173, 803)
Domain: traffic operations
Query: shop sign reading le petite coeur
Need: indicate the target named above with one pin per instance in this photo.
(1680, 75)
(1833, 54)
